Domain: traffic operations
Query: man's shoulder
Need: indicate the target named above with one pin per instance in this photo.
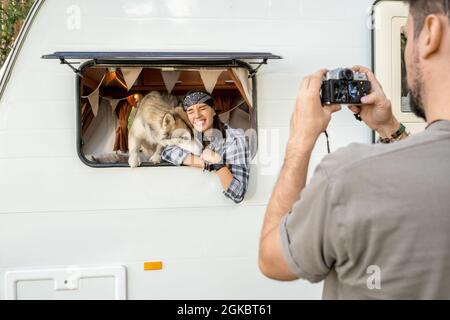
(346, 157)
(362, 156)
(369, 156)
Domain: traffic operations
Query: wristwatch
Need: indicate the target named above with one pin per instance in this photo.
(217, 166)
(213, 166)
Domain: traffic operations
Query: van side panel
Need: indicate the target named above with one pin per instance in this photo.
(56, 211)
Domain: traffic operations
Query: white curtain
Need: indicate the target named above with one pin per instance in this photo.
(100, 135)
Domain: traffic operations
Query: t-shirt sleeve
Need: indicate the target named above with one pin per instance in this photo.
(309, 233)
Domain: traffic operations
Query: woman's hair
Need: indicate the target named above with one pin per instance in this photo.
(197, 96)
(219, 125)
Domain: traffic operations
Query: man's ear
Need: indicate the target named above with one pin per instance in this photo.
(431, 36)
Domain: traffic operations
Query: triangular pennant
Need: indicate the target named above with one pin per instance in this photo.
(130, 75)
(209, 78)
(93, 100)
(113, 103)
(170, 79)
(242, 76)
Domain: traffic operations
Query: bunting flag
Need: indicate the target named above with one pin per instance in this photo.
(209, 78)
(130, 75)
(170, 79)
(246, 83)
(94, 98)
(113, 103)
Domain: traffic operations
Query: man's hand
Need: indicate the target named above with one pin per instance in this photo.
(376, 111)
(310, 118)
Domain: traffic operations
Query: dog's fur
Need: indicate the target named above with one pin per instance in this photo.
(159, 122)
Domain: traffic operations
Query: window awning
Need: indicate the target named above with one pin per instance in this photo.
(117, 55)
(258, 58)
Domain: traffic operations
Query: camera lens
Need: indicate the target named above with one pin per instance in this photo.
(347, 74)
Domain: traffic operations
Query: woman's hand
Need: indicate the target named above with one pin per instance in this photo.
(210, 156)
(376, 112)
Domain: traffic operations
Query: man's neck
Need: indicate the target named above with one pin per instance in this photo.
(438, 102)
(438, 111)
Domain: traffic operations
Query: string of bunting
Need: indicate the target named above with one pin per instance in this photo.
(130, 75)
(170, 77)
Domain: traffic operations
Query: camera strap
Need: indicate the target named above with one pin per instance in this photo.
(328, 141)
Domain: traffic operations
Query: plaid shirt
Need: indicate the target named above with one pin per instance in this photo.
(234, 149)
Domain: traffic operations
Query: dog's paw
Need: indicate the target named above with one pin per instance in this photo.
(155, 158)
(134, 161)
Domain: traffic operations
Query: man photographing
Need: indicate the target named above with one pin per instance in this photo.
(374, 221)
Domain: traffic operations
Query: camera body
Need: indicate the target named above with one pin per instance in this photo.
(344, 86)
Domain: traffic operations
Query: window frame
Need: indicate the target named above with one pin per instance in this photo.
(234, 63)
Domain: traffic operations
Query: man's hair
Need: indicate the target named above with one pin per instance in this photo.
(420, 9)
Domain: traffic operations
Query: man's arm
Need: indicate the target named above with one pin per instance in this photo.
(308, 121)
(290, 183)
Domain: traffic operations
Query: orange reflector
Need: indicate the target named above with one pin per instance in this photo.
(153, 265)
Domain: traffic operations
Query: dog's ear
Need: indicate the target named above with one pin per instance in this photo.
(180, 111)
(168, 122)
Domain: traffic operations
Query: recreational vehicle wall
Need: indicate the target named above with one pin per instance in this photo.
(71, 229)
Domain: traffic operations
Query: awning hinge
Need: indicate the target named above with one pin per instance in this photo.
(254, 71)
(77, 71)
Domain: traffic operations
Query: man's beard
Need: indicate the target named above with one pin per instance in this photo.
(415, 93)
(416, 105)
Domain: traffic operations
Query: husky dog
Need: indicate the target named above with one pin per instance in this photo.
(159, 122)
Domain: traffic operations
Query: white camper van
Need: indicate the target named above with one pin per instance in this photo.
(76, 226)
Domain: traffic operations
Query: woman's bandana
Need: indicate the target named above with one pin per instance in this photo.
(197, 97)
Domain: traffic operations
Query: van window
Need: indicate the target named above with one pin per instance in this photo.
(110, 94)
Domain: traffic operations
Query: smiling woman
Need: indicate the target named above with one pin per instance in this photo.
(224, 150)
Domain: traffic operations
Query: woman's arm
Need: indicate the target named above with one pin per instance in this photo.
(193, 161)
(174, 155)
(225, 177)
(235, 176)
(179, 156)
(237, 187)
(224, 174)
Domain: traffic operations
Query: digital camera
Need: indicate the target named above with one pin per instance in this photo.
(344, 86)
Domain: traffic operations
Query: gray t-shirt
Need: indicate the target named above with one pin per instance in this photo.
(374, 221)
